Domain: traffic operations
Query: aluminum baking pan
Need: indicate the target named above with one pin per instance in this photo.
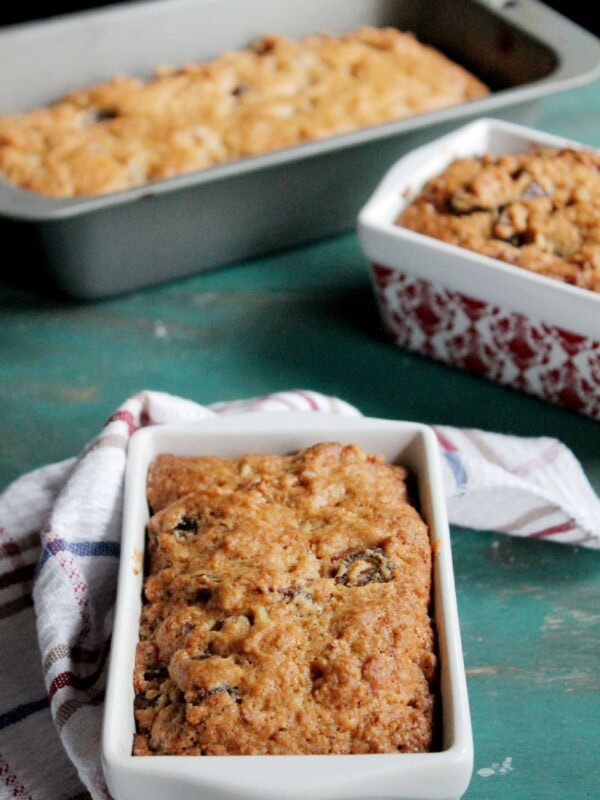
(96, 246)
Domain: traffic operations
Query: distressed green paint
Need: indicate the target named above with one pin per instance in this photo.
(530, 611)
(530, 620)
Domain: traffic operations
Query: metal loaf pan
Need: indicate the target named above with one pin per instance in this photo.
(98, 246)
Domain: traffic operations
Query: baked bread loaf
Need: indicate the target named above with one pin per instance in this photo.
(286, 608)
(127, 132)
(539, 210)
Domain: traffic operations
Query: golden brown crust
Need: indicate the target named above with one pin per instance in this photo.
(127, 132)
(539, 210)
(287, 608)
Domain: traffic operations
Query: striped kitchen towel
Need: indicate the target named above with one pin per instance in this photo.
(59, 548)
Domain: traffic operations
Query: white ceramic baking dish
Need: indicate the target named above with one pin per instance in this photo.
(531, 332)
(90, 247)
(442, 775)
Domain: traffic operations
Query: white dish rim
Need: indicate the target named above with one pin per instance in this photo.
(427, 776)
(568, 307)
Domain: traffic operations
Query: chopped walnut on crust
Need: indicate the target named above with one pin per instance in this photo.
(287, 608)
(539, 210)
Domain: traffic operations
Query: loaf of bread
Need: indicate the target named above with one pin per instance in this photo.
(286, 608)
(539, 210)
(128, 132)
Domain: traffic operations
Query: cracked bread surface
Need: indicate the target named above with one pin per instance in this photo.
(539, 210)
(127, 132)
(287, 608)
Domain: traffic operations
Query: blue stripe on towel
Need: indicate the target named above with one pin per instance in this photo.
(458, 472)
(85, 549)
(22, 712)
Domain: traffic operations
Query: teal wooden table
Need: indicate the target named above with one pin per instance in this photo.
(530, 611)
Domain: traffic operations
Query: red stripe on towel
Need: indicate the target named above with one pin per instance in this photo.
(18, 575)
(126, 417)
(566, 526)
(10, 780)
(446, 443)
(68, 678)
(310, 400)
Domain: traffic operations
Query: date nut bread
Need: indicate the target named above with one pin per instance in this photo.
(127, 132)
(286, 608)
(539, 210)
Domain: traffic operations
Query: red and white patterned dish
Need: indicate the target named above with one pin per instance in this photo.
(533, 333)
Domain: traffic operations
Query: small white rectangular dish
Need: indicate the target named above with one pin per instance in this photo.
(440, 775)
(531, 332)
